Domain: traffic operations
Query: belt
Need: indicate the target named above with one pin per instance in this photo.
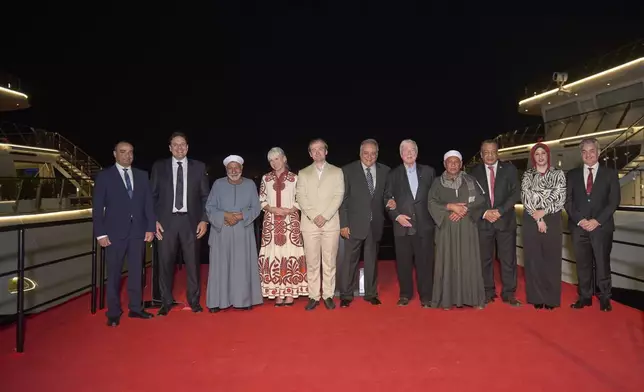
(179, 213)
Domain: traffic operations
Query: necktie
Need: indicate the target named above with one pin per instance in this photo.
(491, 185)
(370, 181)
(178, 195)
(589, 181)
(128, 183)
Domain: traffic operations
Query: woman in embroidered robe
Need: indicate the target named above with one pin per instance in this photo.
(282, 265)
(456, 202)
(543, 193)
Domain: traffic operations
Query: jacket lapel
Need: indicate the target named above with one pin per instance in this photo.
(119, 179)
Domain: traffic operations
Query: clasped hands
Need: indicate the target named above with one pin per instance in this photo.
(589, 224)
(232, 218)
(281, 211)
(458, 211)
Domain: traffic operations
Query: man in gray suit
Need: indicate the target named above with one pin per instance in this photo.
(361, 221)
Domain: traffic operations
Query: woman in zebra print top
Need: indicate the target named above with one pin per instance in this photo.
(543, 193)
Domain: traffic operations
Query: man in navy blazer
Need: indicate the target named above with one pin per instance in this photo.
(124, 220)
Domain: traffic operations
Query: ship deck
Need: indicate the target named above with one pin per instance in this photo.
(363, 347)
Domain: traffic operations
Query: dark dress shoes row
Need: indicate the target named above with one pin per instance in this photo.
(542, 306)
(373, 301)
(604, 304)
(115, 321)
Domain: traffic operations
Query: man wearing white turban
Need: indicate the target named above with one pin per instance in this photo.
(456, 203)
(232, 206)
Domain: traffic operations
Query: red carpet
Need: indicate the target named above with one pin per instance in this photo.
(361, 348)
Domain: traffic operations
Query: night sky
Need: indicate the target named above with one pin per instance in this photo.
(244, 78)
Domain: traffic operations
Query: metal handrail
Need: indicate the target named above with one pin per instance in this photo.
(20, 270)
(614, 58)
(532, 131)
(610, 145)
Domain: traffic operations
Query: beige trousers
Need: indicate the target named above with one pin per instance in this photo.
(321, 247)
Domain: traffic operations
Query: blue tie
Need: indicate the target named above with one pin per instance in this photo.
(128, 183)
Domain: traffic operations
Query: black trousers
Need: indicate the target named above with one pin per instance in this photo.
(414, 250)
(506, 242)
(179, 233)
(349, 267)
(115, 255)
(589, 247)
(542, 260)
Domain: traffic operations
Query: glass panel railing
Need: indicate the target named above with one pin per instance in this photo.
(37, 194)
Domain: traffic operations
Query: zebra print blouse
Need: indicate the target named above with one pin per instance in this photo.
(543, 192)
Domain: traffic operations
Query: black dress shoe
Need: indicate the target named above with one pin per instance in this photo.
(403, 301)
(549, 307)
(113, 321)
(142, 314)
(345, 303)
(373, 301)
(329, 304)
(196, 309)
(426, 304)
(604, 305)
(512, 301)
(164, 310)
(538, 306)
(582, 303)
(214, 310)
(312, 304)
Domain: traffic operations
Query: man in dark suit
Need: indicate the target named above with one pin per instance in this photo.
(180, 190)
(593, 195)
(408, 184)
(124, 219)
(498, 225)
(362, 218)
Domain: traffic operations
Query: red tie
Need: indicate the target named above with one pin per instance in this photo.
(589, 181)
(491, 185)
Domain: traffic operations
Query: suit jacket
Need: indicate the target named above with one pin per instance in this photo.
(507, 193)
(397, 186)
(114, 213)
(321, 196)
(602, 202)
(196, 193)
(360, 211)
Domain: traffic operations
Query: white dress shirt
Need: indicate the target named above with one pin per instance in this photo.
(129, 174)
(184, 167)
(373, 173)
(320, 170)
(594, 167)
(487, 174)
(122, 174)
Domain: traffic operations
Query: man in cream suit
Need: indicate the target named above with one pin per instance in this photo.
(319, 191)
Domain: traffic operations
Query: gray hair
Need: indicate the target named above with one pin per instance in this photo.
(275, 151)
(589, 140)
(408, 141)
(370, 141)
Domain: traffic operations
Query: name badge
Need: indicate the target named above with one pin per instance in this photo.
(471, 199)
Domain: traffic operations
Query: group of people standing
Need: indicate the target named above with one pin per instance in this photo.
(445, 227)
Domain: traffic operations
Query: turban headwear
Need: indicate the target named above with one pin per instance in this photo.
(452, 153)
(233, 158)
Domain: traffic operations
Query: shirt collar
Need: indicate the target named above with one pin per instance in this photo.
(495, 165)
(364, 168)
(410, 169)
(175, 160)
(594, 167)
(118, 166)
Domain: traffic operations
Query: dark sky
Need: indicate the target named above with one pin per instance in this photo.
(244, 78)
